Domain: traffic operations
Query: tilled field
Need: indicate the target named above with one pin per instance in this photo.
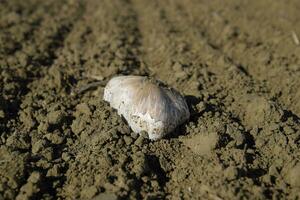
(236, 62)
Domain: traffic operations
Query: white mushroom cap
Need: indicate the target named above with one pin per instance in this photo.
(146, 104)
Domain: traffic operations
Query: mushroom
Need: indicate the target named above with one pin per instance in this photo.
(147, 104)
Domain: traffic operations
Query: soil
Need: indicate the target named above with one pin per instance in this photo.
(236, 62)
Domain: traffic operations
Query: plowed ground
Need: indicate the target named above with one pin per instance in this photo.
(236, 62)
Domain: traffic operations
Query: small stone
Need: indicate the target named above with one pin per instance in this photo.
(78, 125)
(38, 146)
(83, 108)
(89, 192)
(141, 139)
(128, 140)
(55, 138)
(65, 156)
(53, 172)
(201, 106)
(250, 151)
(202, 144)
(239, 138)
(231, 173)
(55, 117)
(154, 184)
(35, 177)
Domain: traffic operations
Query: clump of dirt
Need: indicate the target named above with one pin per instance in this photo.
(236, 63)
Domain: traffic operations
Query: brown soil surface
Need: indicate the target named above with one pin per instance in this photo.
(237, 63)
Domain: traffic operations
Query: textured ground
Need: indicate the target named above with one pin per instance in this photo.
(237, 63)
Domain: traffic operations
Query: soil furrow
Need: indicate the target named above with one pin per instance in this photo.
(105, 43)
(196, 34)
(235, 98)
(32, 56)
(266, 59)
(37, 57)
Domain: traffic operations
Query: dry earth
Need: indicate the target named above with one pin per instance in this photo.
(237, 62)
